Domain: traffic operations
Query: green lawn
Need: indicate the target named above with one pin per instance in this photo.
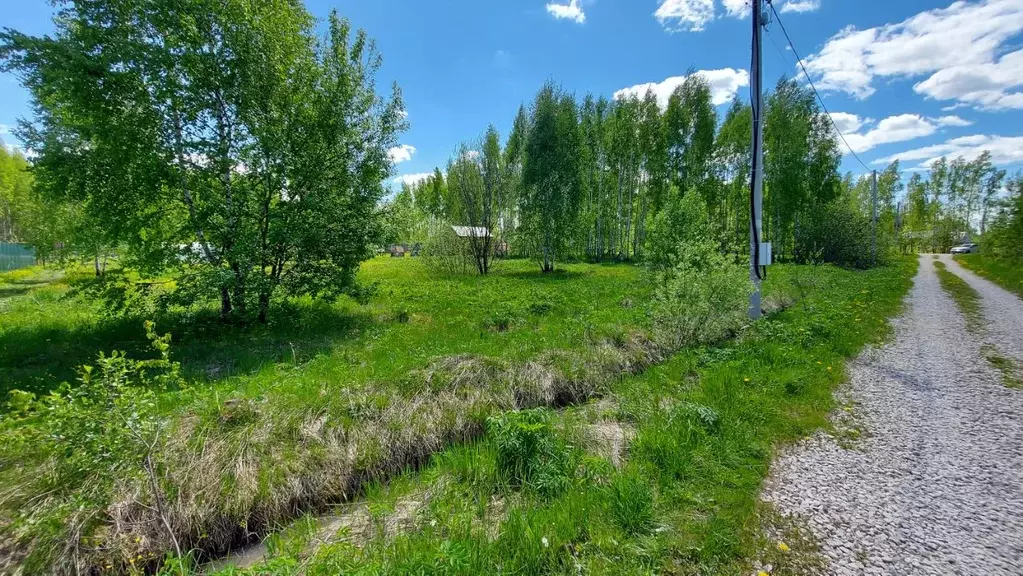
(1005, 273)
(413, 317)
(347, 400)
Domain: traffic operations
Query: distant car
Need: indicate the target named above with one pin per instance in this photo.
(965, 249)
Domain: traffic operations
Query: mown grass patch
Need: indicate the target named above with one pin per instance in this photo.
(1005, 273)
(684, 501)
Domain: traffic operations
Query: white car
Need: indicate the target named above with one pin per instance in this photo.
(965, 249)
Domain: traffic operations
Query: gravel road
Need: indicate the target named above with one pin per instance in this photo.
(1003, 311)
(936, 484)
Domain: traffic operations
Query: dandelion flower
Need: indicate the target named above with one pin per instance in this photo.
(783, 547)
(745, 379)
(829, 368)
(762, 573)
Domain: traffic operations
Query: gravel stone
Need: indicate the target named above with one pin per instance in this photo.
(1003, 311)
(936, 487)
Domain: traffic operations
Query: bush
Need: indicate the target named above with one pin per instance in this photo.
(701, 298)
(529, 452)
(684, 221)
(838, 234)
(84, 437)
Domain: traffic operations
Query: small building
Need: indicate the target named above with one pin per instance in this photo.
(471, 231)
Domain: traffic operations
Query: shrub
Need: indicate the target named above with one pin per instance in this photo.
(84, 436)
(530, 453)
(701, 298)
(838, 234)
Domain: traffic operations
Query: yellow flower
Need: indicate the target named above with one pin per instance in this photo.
(762, 573)
(783, 547)
(829, 368)
(745, 379)
(818, 362)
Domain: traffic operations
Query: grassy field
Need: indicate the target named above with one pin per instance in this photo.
(1005, 273)
(46, 333)
(660, 475)
(347, 400)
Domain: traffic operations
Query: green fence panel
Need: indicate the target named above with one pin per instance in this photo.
(16, 256)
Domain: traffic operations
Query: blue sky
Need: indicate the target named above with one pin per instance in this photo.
(906, 79)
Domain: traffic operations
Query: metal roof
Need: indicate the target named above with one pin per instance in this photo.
(471, 232)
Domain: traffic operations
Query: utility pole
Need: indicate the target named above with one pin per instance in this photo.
(873, 217)
(757, 200)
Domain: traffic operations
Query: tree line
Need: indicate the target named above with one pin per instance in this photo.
(603, 180)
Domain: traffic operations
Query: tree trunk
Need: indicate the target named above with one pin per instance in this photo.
(225, 304)
(264, 306)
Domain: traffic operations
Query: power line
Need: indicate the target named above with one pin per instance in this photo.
(807, 74)
(776, 47)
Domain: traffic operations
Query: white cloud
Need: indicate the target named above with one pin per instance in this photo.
(694, 15)
(892, 129)
(5, 129)
(412, 179)
(402, 153)
(952, 121)
(571, 11)
(955, 47)
(846, 122)
(737, 8)
(724, 83)
(800, 5)
(685, 15)
(983, 85)
(1004, 150)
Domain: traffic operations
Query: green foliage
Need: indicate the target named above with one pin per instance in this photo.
(551, 194)
(684, 222)
(838, 234)
(88, 437)
(530, 454)
(701, 298)
(1004, 237)
(444, 252)
(206, 138)
(630, 501)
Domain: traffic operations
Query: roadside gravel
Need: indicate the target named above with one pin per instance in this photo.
(1003, 312)
(936, 484)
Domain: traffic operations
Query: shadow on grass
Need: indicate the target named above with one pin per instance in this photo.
(10, 291)
(537, 275)
(39, 359)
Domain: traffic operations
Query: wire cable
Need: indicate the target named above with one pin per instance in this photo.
(807, 74)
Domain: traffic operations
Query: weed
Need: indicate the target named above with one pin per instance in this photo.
(630, 502)
(530, 453)
(1012, 376)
